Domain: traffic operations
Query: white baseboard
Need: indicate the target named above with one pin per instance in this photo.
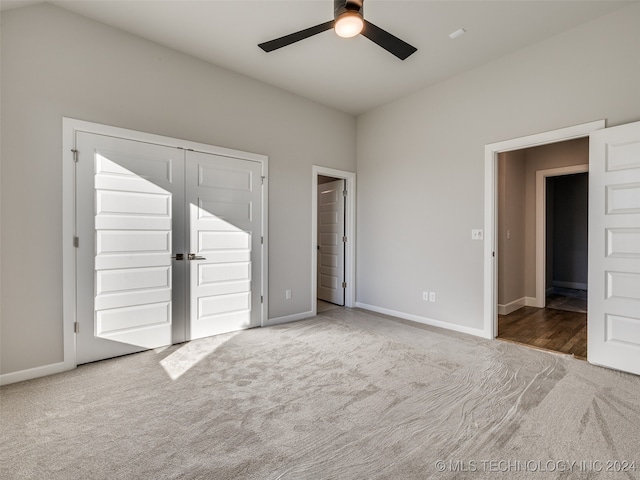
(29, 374)
(574, 285)
(288, 318)
(32, 373)
(424, 320)
(511, 307)
(530, 302)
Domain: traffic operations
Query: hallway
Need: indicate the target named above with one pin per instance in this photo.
(561, 331)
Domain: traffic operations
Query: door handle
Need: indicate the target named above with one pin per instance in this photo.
(178, 256)
(193, 256)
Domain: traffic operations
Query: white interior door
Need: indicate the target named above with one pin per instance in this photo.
(224, 199)
(614, 248)
(128, 194)
(331, 242)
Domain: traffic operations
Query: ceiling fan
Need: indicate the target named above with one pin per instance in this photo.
(348, 21)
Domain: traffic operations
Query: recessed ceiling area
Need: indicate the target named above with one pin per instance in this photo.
(352, 75)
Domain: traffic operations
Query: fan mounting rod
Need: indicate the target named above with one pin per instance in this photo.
(342, 6)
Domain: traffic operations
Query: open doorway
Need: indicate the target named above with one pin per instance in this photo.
(567, 212)
(331, 282)
(333, 239)
(542, 246)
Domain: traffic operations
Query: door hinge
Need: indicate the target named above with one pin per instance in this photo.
(262, 179)
(344, 193)
(344, 239)
(344, 284)
(76, 327)
(75, 155)
(261, 299)
(76, 242)
(261, 240)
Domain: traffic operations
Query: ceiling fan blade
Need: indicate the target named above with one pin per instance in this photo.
(390, 43)
(296, 37)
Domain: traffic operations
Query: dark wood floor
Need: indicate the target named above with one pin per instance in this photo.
(547, 328)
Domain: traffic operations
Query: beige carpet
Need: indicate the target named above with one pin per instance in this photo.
(346, 395)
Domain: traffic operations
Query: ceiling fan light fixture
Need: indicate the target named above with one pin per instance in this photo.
(348, 21)
(349, 24)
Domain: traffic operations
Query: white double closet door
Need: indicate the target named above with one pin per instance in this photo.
(170, 245)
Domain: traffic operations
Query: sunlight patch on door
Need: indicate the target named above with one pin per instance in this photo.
(133, 245)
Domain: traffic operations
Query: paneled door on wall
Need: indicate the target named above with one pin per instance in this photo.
(331, 208)
(614, 248)
(224, 198)
(163, 257)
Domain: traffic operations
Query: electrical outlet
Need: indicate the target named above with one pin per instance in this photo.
(287, 294)
(432, 296)
(425, 296)
(477, 234)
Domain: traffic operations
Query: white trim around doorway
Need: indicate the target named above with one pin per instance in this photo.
(350, 232)
(491, 151)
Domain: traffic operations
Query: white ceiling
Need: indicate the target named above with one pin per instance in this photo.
(352, 75)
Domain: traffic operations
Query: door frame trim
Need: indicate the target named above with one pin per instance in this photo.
(350, 232)
(541, 224)
(70, 127)
(491, 151)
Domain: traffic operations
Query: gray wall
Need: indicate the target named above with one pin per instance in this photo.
(426, 153)
(511, 221)
(57, 64)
